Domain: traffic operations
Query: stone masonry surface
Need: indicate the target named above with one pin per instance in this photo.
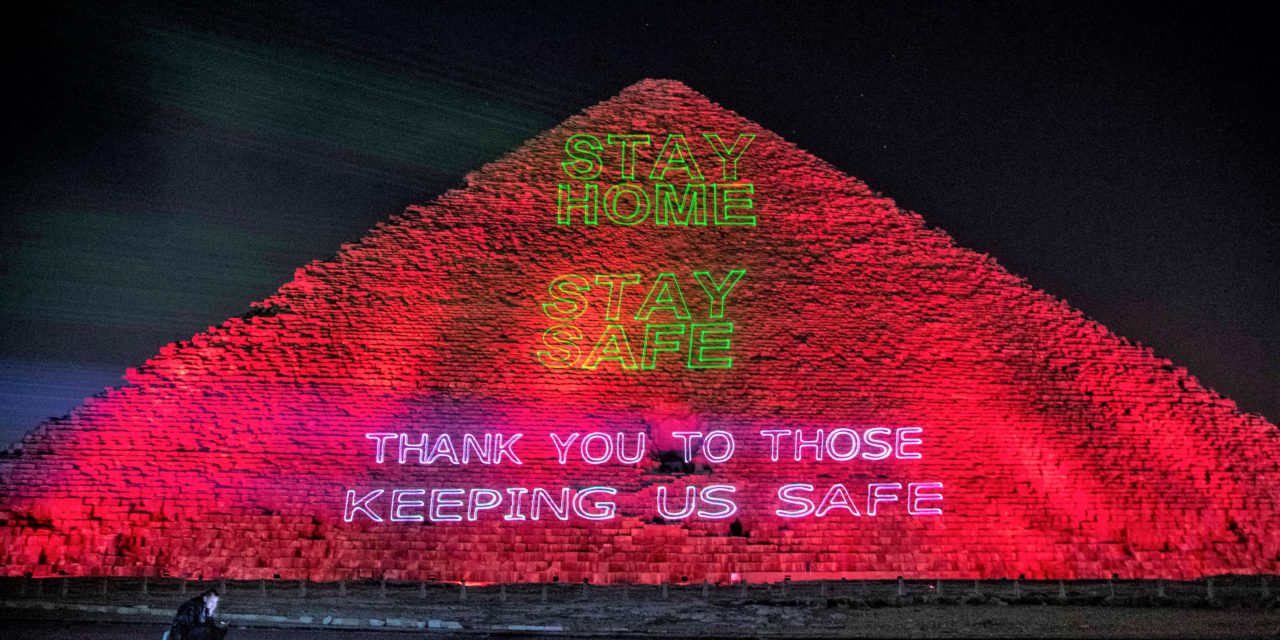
(1066, 451)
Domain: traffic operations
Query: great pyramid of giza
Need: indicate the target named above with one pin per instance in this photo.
(1000, 431)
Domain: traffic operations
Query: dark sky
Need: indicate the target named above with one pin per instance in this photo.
(167, 165)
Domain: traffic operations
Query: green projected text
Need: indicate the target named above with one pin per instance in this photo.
(661, 328)
(609, 180)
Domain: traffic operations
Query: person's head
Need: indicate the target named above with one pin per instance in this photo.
(210, 598)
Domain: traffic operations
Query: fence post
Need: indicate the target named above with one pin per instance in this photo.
(822, 588)
(462, 591)
(422, 589)
(182, 588)
(222, 587)
(1266, 588)
(382, 588)
(502, 593)
(786, 586)
(902, 588)
(1017, 588)
(977, 589)
(1111, 586)
(342, 588)
(583, 595)
(544, 593)
(144, 586)
(262, 588)
(302, 588)
(938, 588)
(39, 588)
(63, 594)
(1160, 588)
(742, 586)
(1062, 589)
(1209, 589)
(664, 589)
(102, 589)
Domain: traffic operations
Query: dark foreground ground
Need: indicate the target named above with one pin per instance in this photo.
(128, 608)
(87, 630)
(1060, 622)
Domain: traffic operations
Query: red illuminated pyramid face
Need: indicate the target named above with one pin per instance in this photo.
(655, 342)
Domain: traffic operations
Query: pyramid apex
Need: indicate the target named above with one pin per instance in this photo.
(661, 85)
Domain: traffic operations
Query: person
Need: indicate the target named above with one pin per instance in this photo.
(194, 620)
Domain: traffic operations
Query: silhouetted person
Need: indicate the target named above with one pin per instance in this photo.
(194, 620)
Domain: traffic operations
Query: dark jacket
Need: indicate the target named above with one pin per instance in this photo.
(190, 615)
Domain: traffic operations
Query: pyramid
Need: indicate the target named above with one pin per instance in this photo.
(976, 427)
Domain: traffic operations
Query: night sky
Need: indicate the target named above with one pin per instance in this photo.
(167, 165)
